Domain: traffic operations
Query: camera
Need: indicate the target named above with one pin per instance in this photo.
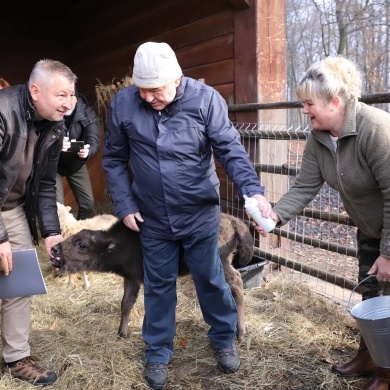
(76, 146)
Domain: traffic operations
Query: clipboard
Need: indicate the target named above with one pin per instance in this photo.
(25, 278)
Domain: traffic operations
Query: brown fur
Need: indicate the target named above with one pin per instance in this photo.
(118, 250)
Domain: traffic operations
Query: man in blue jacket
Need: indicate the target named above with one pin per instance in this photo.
(168, 127)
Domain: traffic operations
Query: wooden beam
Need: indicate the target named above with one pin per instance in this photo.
(245, 67)
(239, 4)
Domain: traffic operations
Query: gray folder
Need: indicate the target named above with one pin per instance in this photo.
(25, 278)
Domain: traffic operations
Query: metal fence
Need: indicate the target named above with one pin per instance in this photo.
(317, 247)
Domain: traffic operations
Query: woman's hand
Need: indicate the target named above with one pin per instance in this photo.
(381, 268)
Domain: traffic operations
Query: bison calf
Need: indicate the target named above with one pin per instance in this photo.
(118, 250)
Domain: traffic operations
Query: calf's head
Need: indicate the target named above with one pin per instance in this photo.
(83, 251)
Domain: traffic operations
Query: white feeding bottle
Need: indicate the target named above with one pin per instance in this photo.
(252, 208)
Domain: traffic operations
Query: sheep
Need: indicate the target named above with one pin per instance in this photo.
(70, 225)
(118, 250)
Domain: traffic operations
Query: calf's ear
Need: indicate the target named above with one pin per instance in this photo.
(109, 244)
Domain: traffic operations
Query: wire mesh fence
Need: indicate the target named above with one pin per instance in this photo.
(318, 246)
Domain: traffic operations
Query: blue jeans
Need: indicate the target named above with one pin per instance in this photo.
(161, 259)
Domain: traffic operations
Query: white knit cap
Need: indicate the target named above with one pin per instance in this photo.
(155, 65)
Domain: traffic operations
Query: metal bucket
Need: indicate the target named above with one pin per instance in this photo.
(373, 320)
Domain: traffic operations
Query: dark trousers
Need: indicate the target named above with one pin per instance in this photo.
(161, 270)
(80, 184)
(368, 252)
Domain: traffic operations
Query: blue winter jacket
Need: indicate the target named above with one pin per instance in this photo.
(173, 181)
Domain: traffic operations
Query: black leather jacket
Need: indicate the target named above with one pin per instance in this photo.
(82, 126)
(16, 120)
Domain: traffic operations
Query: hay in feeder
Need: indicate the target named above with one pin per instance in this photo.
(105, 92)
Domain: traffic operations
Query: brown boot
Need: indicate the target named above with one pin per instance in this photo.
(27, 370)
(380, 381)
(361, 365)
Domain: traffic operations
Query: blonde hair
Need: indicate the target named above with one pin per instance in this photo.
(333, 76)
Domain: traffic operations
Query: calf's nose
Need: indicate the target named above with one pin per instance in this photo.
(55, 250)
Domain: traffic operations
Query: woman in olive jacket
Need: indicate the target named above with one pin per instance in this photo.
(349, 149)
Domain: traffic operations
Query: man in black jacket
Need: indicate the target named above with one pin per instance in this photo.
(31, 132)
(82, 125)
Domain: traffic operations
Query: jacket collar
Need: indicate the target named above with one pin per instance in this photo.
(79, 114)
(29, 108)
(349, 125)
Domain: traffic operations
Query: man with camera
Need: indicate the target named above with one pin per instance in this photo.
(81, 143)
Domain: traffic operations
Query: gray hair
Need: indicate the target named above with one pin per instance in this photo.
(45, 69)
(333, 76)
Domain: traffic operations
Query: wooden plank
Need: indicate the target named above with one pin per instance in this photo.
(32, 21)
(213, 50)
(245, 48)
(32, 46)
(16, 67)
(272, 82)
(114, 36)
(226, 90)
(118, 63)
(239, 4)
(107, 68)
(272, 51)
(94, 15)
(200, 31)
(214, 74)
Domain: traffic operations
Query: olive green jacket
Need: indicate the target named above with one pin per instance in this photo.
(359, 171)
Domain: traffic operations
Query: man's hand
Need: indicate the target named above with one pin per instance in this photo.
(51, 241)
(5, 258)
(83, 153)
(130, 221)
(65, 144)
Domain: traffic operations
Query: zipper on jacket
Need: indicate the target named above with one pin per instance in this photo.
(200, 142)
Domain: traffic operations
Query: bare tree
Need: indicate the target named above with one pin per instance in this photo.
(356, 29)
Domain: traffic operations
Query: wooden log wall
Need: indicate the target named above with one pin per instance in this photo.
(200, 32)
(216, 41)
(30, 31)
